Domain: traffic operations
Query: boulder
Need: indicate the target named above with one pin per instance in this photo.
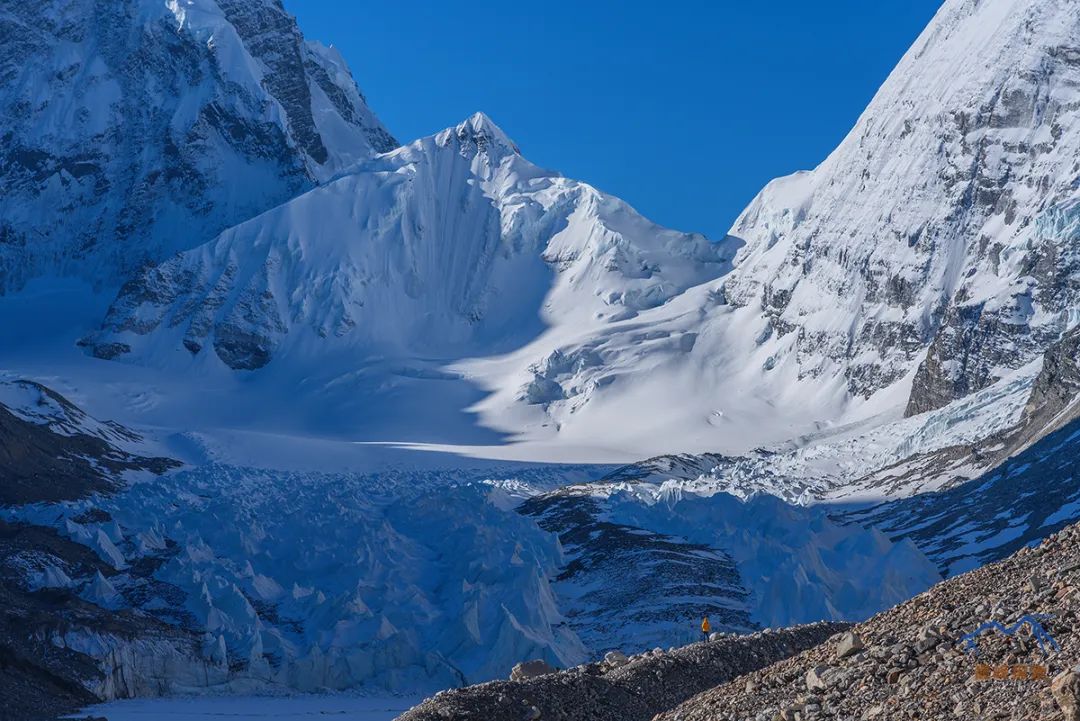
(850, 644)
(531, 669)
(1066, 690)
(615, 659)
(816, 678)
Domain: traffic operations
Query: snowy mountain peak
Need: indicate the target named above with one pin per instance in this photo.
(916, 255)
(135, 130)
(454, 244)
(482, 132)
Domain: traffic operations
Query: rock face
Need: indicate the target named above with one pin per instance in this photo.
(1054, 397)
(50, 450)
(137, 128)
(635, 691)
(942, 234)
(922, 659)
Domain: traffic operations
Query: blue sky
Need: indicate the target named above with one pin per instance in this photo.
(684, 108)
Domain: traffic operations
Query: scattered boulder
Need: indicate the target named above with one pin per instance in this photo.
(816, 679)
(850, 644)
(531, 669)
(1066, 691)
(615, 659)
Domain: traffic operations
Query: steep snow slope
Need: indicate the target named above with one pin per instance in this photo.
(135, 129)
(942, 233)
(452, 245)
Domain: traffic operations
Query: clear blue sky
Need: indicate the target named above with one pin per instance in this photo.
(684, 108)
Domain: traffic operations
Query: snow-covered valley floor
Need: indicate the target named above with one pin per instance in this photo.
(253, 708)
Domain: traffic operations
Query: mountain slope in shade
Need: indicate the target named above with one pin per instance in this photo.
(941, 235)
(138, 128)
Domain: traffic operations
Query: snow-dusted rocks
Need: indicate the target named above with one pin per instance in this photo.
(132, 130)
(452, 245)
(941, 234)
(647, 561)
(51, 450)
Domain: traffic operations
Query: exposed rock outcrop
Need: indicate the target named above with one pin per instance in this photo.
(63, 456)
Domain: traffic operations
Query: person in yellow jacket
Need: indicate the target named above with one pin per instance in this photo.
(705, 628)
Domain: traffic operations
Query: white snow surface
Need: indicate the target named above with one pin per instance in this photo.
(957, 179)
(543, 313)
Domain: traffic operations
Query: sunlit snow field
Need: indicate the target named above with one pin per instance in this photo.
(254, 708)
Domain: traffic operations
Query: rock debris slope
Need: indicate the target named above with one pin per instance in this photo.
(137, 128)
(621, 688)
(915, 663)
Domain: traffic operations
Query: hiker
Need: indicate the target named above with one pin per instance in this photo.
(705, 628)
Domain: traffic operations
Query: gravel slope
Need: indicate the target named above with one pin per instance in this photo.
(914, 665)
(635, 690)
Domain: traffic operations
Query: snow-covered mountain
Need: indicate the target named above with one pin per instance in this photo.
(137, 128)
(898, 321)
(927, 258)
(937, 245)
(450, 246)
